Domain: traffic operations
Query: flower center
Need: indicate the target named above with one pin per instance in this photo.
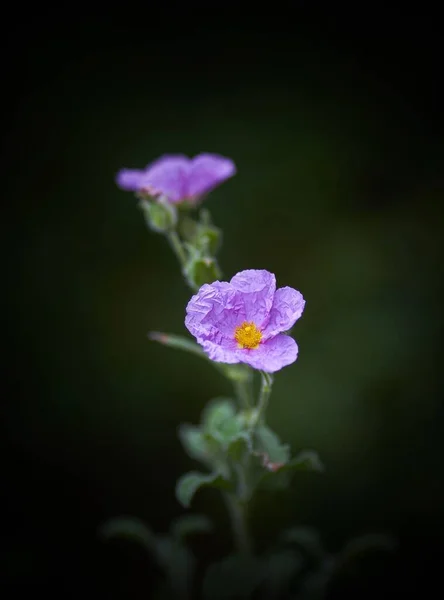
(247, 335)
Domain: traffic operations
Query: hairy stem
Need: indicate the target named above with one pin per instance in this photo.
(242, 389)
(237, 503)
(264, 395)
(238, 514)
(177, 247)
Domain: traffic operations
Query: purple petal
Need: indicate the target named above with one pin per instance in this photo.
(168, 158)
(288, 306)
(208, 171)
(130, 180)
(214, 312)
(226, 352)
(168, 175)
(257, 288)
(272, 355)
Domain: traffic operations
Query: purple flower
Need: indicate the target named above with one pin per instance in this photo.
(178, 177)
(244, 320)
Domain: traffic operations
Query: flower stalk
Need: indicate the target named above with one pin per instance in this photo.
(177, 248)
(264, 396)
(239, 523)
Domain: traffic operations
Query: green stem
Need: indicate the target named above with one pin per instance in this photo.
(266, 385)
(243, 393)
(238, 515)
(180, 252)
(237, 504)
(177, 247)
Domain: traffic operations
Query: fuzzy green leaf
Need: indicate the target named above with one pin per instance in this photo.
(186, 525)
(132, 529)
(193, 441)
(189, 483)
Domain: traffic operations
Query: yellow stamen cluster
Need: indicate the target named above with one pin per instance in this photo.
(247, 335)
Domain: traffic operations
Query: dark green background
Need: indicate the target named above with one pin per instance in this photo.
(335, 127)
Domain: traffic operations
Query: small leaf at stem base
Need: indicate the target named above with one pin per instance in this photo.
(189, 483)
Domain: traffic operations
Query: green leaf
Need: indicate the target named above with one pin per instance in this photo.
(205, 217)
(239, 445)
(224, 424)
(269, 458)
(305, 538)
(236, 576)
(200, 270)
(232, 372)
(221, 427)
(181, 569)
(178, 342)
(164, 549)
(179, 564)
(231, 430)
(129, 528)
(172, 556)
(186, 525)
(193, 441)
(280, 478)
(216, 412)
(215, 449)
(188, 228)
(203, 236)
(307, 460)
(268, 442)
(191, 482)
(209, 240)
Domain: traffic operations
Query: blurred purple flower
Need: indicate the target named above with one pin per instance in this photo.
(178, 177)
(244, 320)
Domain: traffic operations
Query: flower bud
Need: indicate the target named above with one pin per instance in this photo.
(201, 270)
(208, 239)
(160, 215)
(204, 237)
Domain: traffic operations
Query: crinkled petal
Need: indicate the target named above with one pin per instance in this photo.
(288, 306)
(208, 171)
(168, 175)
(130, 180)
(272, 355)
(214, 312)
(226, 352)
(257, 288)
